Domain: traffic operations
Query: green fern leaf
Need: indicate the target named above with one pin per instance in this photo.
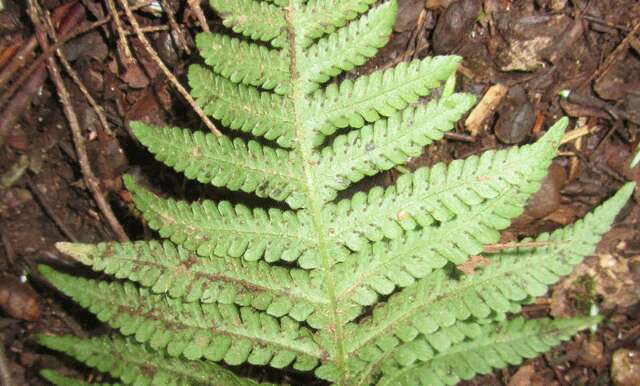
(439, 300)
(193, 330)
(220, 161)
(166, 268)
(384, 92)
(361, 289)
(448, 194)
(351, 46)
(500, 344)
(257, 20)
(264, 67)
(388, 143)
(242, 108)
(136, 365)
(224, 229)
(320, 17)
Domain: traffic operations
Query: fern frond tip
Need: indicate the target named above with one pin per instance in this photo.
(627, 190)
(46, 271)
(556, 131)
(80, 252)
(138, 128)
(53, 342)
(129, 182)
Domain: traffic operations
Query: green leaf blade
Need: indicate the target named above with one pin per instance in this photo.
(241, 107)
(135, 364)
(348, 47)
(225, 230)
(170, 269)
(439, 300)
(509, 342)
(489, 190)
(257, 20)
(389, 142)
(189, 330)
(320, 17)
(220, 161)
(384, 92)
(261, 67)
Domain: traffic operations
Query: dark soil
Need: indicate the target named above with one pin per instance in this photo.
(531, 49)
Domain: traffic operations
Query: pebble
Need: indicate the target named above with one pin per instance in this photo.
(453, 24)
(592, 354)
(18, 299)
(625, 368)
(547, 199)
(516, 117)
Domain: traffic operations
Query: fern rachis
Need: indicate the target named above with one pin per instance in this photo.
(294, 287)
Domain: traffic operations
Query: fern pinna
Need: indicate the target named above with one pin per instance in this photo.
(360, 290)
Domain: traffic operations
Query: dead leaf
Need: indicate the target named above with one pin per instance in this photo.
(470, 266)
(528, 376)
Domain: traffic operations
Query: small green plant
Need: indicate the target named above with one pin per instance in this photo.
(358, 290)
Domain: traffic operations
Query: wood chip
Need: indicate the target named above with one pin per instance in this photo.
(485, 108)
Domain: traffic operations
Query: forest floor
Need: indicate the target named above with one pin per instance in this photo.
(518, 57)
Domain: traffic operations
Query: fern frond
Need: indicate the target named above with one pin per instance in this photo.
(223, 229)
(500, 344)
(359, 290)
(134, 364)
(255, 19)
(243, 108)
(166, 268)
(222, 162)
(60, 380)
(262, 67)
(352, 103)
(349, 47)
(320, 17)
(388, 143)
(439, 300)
(438, 196)
(193, 330)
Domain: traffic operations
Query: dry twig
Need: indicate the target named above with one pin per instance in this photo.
(64, 36)
(20, 58)
(613, 56)
(165, 70)
(83, 89)
(13, 110)
(90, 179)
(46, 208)
(485, 108)
(182, 42)
(123, 46)
(494, 248)
(197, 10)
(578, 133)
(8, 248)
(5, 373)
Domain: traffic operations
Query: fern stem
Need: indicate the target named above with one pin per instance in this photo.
(304, 147)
